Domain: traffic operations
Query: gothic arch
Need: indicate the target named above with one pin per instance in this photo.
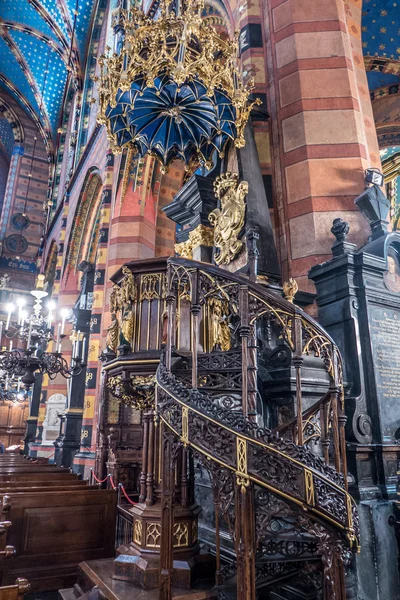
(84, 220)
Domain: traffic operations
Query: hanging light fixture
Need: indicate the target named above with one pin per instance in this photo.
(11, 390)
(172, 88)
(35, 332)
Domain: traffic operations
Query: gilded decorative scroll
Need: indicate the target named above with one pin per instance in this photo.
(201, 236)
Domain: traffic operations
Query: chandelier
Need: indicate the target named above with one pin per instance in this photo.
(29, 337)
(172, 88)
(10, 390)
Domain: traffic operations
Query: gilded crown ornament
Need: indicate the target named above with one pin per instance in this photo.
(172, 87)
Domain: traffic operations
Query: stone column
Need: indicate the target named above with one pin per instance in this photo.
(321, 129)
(76, 399)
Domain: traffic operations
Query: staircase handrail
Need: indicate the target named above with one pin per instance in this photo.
(320, 490)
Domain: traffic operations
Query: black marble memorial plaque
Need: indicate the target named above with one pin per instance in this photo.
(385, 339)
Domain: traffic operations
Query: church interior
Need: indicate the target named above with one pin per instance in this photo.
(199, 299)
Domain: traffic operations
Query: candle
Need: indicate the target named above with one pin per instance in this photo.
(83, 348)
(11, 344)
(1, 333)
(49, 320)
(28, 343)
(62, 324)
(19, 384)
(7, 381)
(58, 334)
(78, 341)
(8, 316)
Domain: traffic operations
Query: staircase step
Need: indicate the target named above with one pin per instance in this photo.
(100, 573)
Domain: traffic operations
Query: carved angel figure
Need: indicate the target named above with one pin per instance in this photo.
(220, 331)
(229, 219)
(115, 298)
(128, 288)
(113, 334)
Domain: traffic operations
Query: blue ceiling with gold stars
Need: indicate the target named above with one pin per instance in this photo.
(42, 44)
(381, 41)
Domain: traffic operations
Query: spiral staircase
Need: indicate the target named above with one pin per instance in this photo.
(280, 494)
(246, 422)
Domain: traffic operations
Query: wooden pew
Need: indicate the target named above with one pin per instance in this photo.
(58, 488)
(15, 592)
(53, 532)
(45, 484)
(40, 477)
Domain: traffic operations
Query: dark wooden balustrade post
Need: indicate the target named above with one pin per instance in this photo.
(167, 518)
(244, 332)
(333, 582)
(150, 462)
(335, 394)
(324, 417)
(191, 478)
(143, 474)
(217, 506)
(171, 329)
(252, 374)
(298, 362)
(184, 478)
(342, 436)
(341, 414)
(194, 323)
(245, 543)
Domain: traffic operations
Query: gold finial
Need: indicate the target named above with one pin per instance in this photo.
(290, 289)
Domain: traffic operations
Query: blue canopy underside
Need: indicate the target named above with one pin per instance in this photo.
(172, 121)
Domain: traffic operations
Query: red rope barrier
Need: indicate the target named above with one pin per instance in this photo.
(99, 480)
(126, 495)
(114, 487)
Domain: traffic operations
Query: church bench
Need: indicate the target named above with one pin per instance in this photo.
(15, 592)
(59, 488)
(53, 532)
(32, 469)
(44, 484)
(37, 476)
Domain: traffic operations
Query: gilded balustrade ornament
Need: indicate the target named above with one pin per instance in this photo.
(290, 289)
(201, 236)
(229, 219)
(138, 392)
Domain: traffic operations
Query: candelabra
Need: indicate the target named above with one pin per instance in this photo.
(36, 333)
(10, 390)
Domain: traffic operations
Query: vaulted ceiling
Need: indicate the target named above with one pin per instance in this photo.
(381, 41)
(42, 44)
